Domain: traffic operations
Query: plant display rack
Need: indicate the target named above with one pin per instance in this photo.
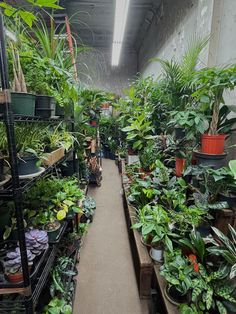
(142, 261)
(31, 287)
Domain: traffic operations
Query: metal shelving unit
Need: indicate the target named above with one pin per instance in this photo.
(29, 289)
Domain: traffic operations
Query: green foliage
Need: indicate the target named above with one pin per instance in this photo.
(178, 271)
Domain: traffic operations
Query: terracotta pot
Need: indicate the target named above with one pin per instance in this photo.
(179, 166)
(93, 123)
(213, 144)
(15, 278)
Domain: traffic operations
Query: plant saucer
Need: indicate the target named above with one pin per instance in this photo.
(32, 175)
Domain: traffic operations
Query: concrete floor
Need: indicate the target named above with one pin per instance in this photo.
(106, 279)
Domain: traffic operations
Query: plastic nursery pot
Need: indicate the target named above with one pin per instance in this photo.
(15, 278)
(179, 133)
(53, 230)
(60, 111)
(45, 106)
(27, 165)
(213, 144)
(67, 170)
(210, 160)
(179, 166)
(1, 169)
(93, 123)
(230, 199)
(174, 296)
(156, 254)
(23, 104)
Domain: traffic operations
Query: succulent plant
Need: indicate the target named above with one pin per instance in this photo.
(12, 263)
(36, 241)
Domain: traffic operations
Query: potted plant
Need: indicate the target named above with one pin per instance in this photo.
(22, 102)
(147, 158)
(179, 273)
(13, 267)
(227, 185)
(38, 78)
(224, 247)
(89, 205)
(212, 291)
(30, 147)
(210, 84)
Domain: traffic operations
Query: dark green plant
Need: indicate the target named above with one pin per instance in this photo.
(225, 247)
(178, 271)
(212, 290)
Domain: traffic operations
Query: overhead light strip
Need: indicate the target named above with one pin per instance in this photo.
(121, 14)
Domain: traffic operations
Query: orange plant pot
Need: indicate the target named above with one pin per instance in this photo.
(179, 166)
(213, 144)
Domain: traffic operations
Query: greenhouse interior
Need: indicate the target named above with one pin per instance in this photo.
(117, 157)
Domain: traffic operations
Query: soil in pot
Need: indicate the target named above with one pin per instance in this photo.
(53, 230)
(210, 160)
(23, 104)
(213, 144)
(27, 165)
(230, 199)
(174, 296)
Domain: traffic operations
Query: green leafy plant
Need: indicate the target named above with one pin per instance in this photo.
(140, 131)
(155, 223)
(178, 271)
(209, 85)
(58, 306)
(225, 247)
(211, 289)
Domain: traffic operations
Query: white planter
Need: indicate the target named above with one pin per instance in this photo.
(156, 254)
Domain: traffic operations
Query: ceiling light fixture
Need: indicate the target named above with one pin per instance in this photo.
(121, 13)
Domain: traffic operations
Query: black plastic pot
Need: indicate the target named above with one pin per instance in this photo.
(214, 161)
(45, 106)
(1, 169)
(27, 165)
(67, 169)
(179, 133)
(60, 111)
(204, 229)
(23, 104)
(230, 199)
(5, 220)
(174, 296)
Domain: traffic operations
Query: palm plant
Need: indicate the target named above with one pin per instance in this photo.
(176, 76)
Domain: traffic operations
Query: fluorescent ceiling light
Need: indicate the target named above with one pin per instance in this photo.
(121, 13)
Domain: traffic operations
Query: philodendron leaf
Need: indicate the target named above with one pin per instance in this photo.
(232, 167)
(233, 271)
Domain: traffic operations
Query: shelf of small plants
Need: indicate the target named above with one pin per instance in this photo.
(38, 198)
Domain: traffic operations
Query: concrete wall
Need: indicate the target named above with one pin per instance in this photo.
(168, 36)
(95, 70)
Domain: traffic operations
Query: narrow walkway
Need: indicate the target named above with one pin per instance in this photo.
(106, 280)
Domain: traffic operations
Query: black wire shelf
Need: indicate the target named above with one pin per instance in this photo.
(40, 260)
(25, 185)
(16, 303)
(21, 118)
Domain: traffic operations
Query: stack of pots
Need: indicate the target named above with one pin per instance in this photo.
(212, 151)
